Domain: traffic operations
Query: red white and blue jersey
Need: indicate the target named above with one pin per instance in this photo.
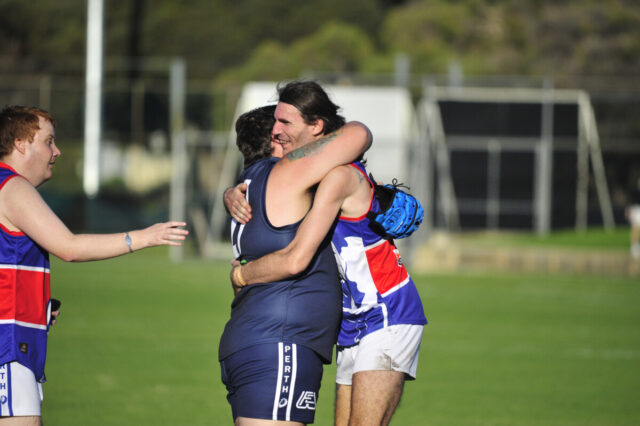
(24, 296)
(377, 290)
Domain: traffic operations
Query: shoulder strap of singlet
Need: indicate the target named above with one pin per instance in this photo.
(358, 165)
(6, 172)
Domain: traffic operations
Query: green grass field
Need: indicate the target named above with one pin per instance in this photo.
(137, 341)
(616, 240)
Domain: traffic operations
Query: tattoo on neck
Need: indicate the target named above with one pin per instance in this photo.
(313, 148)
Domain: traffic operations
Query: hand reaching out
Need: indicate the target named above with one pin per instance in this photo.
(167, 233)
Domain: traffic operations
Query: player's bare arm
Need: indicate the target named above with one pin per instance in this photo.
(307, 165)
(314, 147)
(295, 258)
(23, 209)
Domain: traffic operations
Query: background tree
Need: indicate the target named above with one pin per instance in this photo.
(589, 37)
(336, 47)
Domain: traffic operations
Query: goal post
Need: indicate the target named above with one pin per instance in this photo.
(483, 126)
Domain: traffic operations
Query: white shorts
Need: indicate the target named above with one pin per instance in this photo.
(394, 348)
(20, 393)
(634, 215)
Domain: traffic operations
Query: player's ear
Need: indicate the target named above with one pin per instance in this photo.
(20, 145)
(318, 127)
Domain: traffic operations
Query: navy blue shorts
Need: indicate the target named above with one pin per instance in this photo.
(273, 381)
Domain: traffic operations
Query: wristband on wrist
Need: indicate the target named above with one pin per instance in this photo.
(127, 240)
(238, 278)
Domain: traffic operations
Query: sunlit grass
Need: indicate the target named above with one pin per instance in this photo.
(590, 239)
(137, 342)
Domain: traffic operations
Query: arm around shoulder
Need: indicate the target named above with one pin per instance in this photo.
(307, 165)
(296, 257)
(361, 137)
(236, 203)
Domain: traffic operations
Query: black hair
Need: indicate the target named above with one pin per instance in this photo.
(313, 103)
(253, 134)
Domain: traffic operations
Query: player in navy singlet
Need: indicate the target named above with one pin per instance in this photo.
(280, 333)
(304, 309)
(29, 231)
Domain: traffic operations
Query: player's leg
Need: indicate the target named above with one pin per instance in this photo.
(384, 359)
(375, 396)
(243, 421)
(343, 404)
(345, 360)
(635, 231)
(635, 242)
(20, 396)
(20, 421)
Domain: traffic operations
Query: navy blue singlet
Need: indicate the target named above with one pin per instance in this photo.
(305, 309)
